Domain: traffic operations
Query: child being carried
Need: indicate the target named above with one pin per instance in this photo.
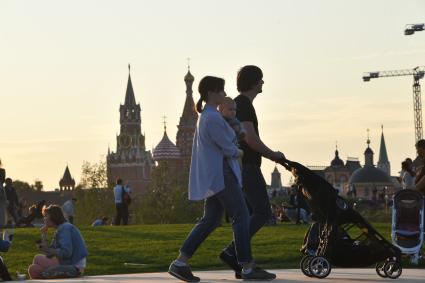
(228, 110)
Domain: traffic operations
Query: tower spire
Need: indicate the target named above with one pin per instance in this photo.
(164, 121)
(368, 138)
(368, 154)
(129, 94)
(383, 162)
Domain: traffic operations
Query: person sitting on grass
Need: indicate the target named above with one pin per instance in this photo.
(34, 212)
(100, 222)
(5, 245)
(66, 256)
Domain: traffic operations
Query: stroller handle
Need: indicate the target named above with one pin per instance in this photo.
(285, 163)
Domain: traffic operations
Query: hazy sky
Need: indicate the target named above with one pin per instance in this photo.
(63, 74)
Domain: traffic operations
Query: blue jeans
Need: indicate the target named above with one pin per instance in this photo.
(232, 200)
(254, 187)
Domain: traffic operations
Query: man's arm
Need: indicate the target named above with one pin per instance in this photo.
(254, 142)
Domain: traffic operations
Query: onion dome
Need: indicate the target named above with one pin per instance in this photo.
(368, 151)
(166, 149)
(189, 77)
(337, 162)
(369, 174)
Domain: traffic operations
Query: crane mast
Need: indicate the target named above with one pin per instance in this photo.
(418, 74)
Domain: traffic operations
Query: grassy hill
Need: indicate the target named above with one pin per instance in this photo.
(156, 246)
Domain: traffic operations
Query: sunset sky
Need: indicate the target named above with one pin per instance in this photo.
(63, 75)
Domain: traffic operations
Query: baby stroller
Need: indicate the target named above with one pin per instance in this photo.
(407, 230)
(344, 238)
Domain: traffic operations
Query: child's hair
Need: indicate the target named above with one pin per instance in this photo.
(226, 101)
(208, 83)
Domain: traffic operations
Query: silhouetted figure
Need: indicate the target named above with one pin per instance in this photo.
(3, 200)
(13, 201)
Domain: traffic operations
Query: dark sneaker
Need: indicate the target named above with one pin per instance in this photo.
(258, 274)
(232, 262)
(182, 272)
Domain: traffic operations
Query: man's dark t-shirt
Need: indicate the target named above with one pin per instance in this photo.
(245, 112)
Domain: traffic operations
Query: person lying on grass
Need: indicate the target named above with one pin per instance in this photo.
(66, 256)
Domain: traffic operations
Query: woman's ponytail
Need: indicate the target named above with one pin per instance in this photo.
(199, 105)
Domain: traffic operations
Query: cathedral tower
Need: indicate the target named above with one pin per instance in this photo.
(130, 162)
(187, 124)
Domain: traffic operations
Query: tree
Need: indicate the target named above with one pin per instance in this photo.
(38, 185)
(94, 199)
(21, 186)
(165, 200)
(93, 204)
(93, 175)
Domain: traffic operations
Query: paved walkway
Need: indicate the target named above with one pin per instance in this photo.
(283, 275)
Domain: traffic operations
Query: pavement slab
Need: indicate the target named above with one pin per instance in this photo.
(338, 275)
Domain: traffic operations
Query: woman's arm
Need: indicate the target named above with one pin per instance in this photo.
(217, 131)
(63, 248)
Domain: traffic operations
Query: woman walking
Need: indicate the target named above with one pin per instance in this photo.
(408, 176)
(215, 177)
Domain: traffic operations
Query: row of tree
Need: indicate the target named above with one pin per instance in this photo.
(22, 186)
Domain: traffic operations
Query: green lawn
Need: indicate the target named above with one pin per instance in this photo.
(157, 245)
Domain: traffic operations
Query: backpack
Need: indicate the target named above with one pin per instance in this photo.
(126, 199)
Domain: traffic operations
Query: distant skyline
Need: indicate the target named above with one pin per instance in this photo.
(64, 74)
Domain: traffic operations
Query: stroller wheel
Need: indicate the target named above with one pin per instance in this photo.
(393, 269)
(305, 265)
(319, 267)
(380, 269)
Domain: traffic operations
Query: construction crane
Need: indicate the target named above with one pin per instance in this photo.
(418, 74)
(412, 28)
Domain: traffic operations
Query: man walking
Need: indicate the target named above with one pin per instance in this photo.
(68, 209)
(420, 170)
(249, 84)
(120, 205)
